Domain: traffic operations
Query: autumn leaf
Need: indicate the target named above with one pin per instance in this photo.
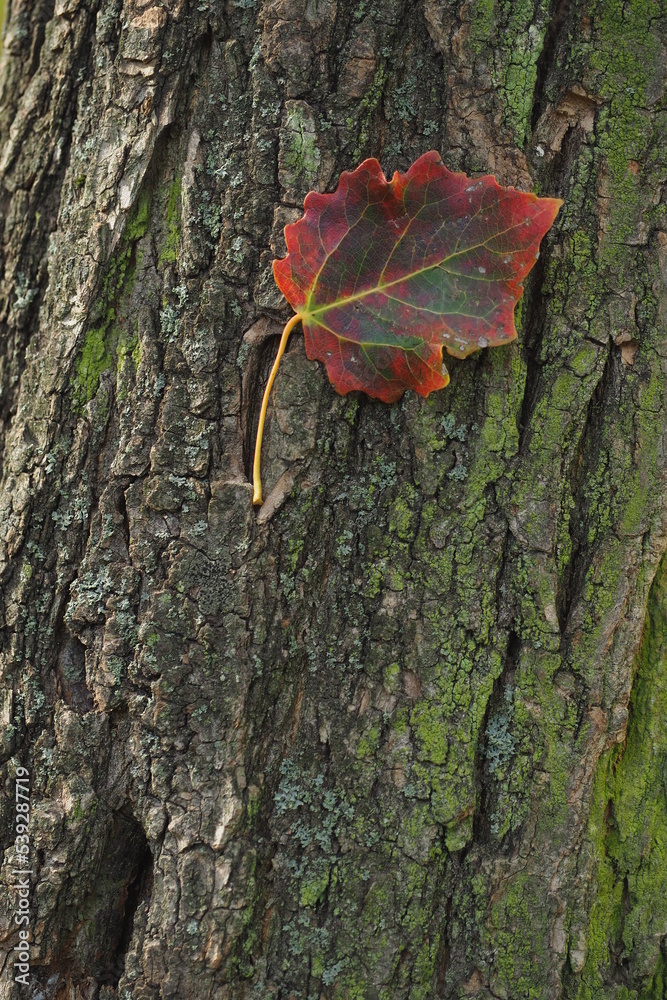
(385, 274)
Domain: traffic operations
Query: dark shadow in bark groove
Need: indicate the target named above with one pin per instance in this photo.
(442, 962)
(534, 319)
(620, 966)
(588, 459)
(547, 58)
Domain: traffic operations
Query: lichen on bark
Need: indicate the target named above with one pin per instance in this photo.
(397, 735)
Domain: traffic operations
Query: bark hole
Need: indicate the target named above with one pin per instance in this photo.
(129, 850)
(569, 151)
(102, 920)
(206, 43)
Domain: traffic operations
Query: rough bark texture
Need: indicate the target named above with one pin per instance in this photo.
(399, 734)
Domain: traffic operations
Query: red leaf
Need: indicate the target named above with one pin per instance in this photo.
(384, 274)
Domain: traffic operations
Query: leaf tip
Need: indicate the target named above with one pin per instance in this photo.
(554, 206)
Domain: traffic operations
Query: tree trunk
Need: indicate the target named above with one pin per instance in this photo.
(399, 733)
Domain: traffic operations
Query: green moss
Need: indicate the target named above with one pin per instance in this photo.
(369, 743)
(105, 341)
(642, 485)
(352, 988)
(457, 835)
(582, 255)
(301, 154)
(431, 732)
(295, 545)
(391, 675)
(137, 224)
(94, 359)
(135, 353)
(169, 253)
(520, 77)
(626, 55)
(128, 347)
(518, 28)
(521, 935)
(482, 25)
(400, 720)
(361, 123)
(254, 800)
(313, 888)
(373, 578)
(401, 514)
(628, 829)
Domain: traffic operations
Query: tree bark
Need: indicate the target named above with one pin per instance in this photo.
(399, 733)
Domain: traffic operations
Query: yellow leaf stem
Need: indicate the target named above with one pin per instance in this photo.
(256, 477)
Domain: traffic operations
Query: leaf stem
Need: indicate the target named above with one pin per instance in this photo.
(256, 477)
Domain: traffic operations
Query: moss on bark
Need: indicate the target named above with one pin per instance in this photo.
(397, 734)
